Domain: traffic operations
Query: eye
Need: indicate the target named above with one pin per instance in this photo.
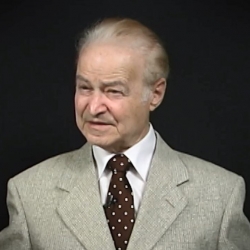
(114, 91)
(84, 87)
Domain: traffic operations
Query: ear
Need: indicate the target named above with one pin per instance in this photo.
(158, 91)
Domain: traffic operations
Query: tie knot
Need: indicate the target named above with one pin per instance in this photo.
(119, 163)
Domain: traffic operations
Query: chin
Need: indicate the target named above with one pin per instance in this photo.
(100, 141)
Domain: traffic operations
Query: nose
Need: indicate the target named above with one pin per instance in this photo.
(97, 104)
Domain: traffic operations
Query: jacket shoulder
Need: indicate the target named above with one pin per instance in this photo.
(202, 168)
(209, 178)
(48, 170)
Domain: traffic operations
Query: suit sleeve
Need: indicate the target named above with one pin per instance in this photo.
(235, 227)
(16, 235)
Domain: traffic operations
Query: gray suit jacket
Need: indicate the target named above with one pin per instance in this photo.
(188, 204)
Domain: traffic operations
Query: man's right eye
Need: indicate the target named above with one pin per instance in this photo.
(83, 87)
(84, 90)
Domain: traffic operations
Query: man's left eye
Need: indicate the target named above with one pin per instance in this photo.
(114, 91)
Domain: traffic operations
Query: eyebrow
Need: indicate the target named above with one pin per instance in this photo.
(112, 83)
(82, 79)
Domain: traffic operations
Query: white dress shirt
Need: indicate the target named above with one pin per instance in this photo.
(140, 155)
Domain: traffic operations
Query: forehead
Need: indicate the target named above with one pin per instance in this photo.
(109, 60)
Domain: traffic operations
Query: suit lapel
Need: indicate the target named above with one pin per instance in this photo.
(81, 210)
(162, 200)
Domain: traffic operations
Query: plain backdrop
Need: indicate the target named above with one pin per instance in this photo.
(206, 108)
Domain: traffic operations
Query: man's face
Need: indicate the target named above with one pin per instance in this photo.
(110, 111)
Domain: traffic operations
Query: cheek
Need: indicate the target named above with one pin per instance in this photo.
(80, 103)
(123, 113)
(139, 113)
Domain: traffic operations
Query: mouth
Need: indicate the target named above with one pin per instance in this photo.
(98, 125)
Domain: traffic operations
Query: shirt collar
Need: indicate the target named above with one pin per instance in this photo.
(139, 154)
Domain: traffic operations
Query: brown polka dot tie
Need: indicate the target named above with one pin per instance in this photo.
(119, 208)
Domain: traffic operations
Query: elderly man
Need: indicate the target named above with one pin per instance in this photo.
(125, 188)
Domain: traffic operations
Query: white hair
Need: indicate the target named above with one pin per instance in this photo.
(134, 34)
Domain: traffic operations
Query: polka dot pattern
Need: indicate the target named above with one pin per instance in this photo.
(120, 214)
